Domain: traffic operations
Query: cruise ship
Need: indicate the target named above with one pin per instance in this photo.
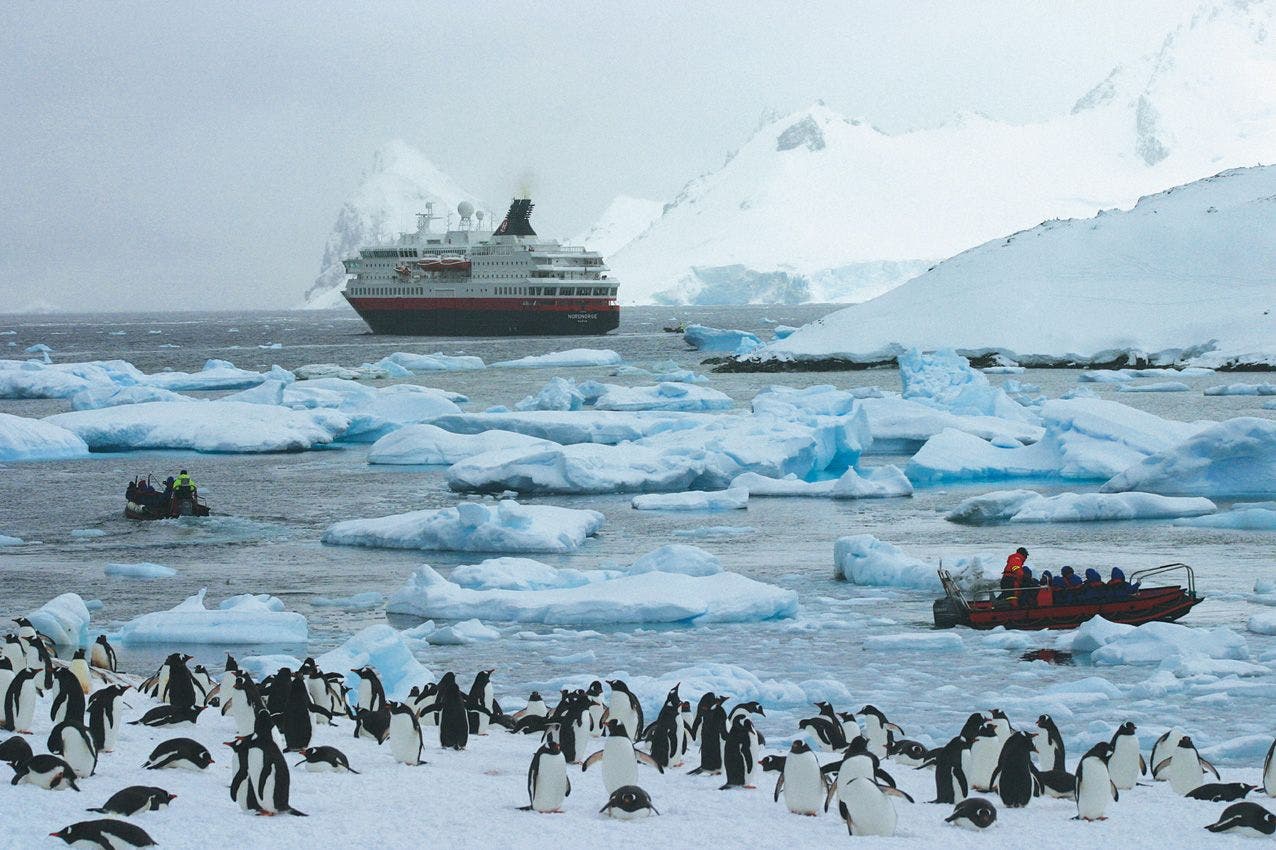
(475, 282)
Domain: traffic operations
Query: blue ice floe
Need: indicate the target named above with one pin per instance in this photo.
(1233, 459)
(23, 439)
(144, 570)
(720, 341)
(64, 619)
(1030, 506)
(245, 619)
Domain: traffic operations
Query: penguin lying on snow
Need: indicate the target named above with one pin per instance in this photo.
(1222, 792)
(105, 833)
(1245, 819)
(45, 771)
(324, 759)
(628, 802)
(135, 799)
(169, 715)
(973, 813)
(15, 750)
(183, 753)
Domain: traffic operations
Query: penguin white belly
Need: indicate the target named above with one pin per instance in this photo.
(621, 710)
(1046, 749)
(620, 767)
(1123, 765)
(983, 761)
(111, 730)
(551, 784)
(1185, 771)
(803, 788)
(243, 714)
(26, 707)
(485, 717)
(365, 693)
(596, 710)
(868, 810)
(98, 657)
(405, 740)
(1269, 775)
(76, 753)
(618, 813)
(1094, 791)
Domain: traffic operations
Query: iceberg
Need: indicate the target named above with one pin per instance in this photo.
(216, 375)
(558, 394)
(431, 445)
(209, 426)
(562, 359)
(1242, 389)
(37, 439)
(676, 558)
(142, 570)
(109, 395)
(64, 619)
(865, 560)
(1158, 387)
(607, 427)
(510, 573)
(249, 621)
(664, 396)
(1154, 643)
(1240, 518)
(577, 468)
(945, 380)
(436, 362)
(457, 634)
(900, 426)
(505, 526)
(876, 483)
(22, 381)
(820, 400)
(716, 340)
(383, 649)
(1030, 506)
(1233, 459)
(731, 499)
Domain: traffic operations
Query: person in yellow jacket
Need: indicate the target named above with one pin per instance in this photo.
(183, 485)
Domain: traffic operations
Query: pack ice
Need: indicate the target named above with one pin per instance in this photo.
(241, 619)
(431, 445)
(35, 439)
(863, 559)
(1233, 459)
(1030, 506)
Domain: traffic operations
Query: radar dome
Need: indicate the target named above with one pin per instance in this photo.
(480, 215)
(465, 208)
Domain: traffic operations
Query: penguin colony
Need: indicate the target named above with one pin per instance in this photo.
(275, 720)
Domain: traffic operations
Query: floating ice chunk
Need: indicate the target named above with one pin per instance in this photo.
(1003, 370)
(261, 666)
(6, 540)
(782, 331)
(109, 395)
(1105, 376)
(681, 376)
(1236, 459)
(1092, 634)
(899, 425)
(822, 399)
(714, 532)
(437, 362)
(271, 346)
(248, 621)
(387, 367)
(267, 392)
(1242, 389)
(213, 426)
(874, 483)
(676, 558)
(461, 634)
(665, 396)
(141, 570)
(357, 602)
(252, 602)
(393, 407)
(522, 574)
(865, 560)
(557, 359)
(383, 649)
(734, 498)
(1238, 518)
(35, 439)
(916, 642)
(1159, 387)
(945, 380)
(21, 380)
(216, 375)
(578, 468)
(717, 340)
(1263, 623)
(647, 598)
(38, 348)
(473, 527)
(1153, 643)
(431, 445)
(607, 427)
(1029, 506)
(65, 619)
(558, 394)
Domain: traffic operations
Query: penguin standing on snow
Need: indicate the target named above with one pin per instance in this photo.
(104, 833)
(104, 716)
(619, 757)
(684, 729)
(179, 687)
(866, 808)
(1248, 819)
(454, 719)
(826, 726)
(951, 784)
(802, 781)
(297, 726)
(79, 666)
(405, 734)
(975, 813)
(597, 707)
(19, 702)
(71, 740)
(1163, 749)
(13, 651)
(371, 694)
(268, 770)
(547, 782)
(626, 708)
(711, 729)
(738, 758)
(483, 706)
(878, 730)
(1269, 771)
(984, 752)
(663, 731)
(102, 655)
(1015, 777)
(1049, 744)
(1185, 768)
(1126, 763)
(1094, 784)
(68, 704)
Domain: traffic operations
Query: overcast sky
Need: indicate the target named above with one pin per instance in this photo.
(181, 155)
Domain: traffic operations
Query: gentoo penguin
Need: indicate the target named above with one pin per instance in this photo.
(45, 771)
(850, 726)
(1126, 763)
(684, 728)
(183, 753)
(1058, 783)
(179, 688)
(241, 701)
(984, 752)
(105, 833)
(1001, 724)
(662, 733)
(1269, 771)
(276, 691)
(1015, 777)
(1248, 819)
(19, 702)
(597, 708)
(268, 770)
(547, 782)
(405, 734)
(619, 757)
(79, 666)
(297, 725)
(974, 813)
(13, 651)
(102, 655)
(826, 726)
(135, 799)
(1163, 749)
(242, 790)
(169, 715)
(68, 704)
(710, 730)
(422, 699)
(738, 759)
(951, 785)
(483, 706)
(1185, 768)
(801, 780)
(1222, 792)
(909, 753)
(204, 684)
(878, 730)
(571, 725)
(1094, 784)
(535, 707)
(373, 724)
(626, 708)
(15, 750)
(371, 695)
(745, 709)
(865, 808)
(104, 716)
(72, 741)
(628, 803)
(1049, 744)
(454, 721)
(324, 759)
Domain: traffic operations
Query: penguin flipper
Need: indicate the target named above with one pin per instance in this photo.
(1143, 765)
(761, 739)
(892, 791)
(592, 760)
(568, 792)
(960, 776)
(526, 808)
(828, 797)
(886, 777)
(1156, 771)
(1211, 768)
(648, 760)
(1116, 795)
(779, 783)
(992, 780)
(1224, 824)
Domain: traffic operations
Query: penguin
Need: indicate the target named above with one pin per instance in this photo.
(102, 655)
(13, 651)
(6, 679)
(597, 707)
(405, 734)
(45, 771)
(204, 684)
(1248, 819)
(1001, 724)
(1058, 783)
(662, 733)
(974, 813)
(454, 723)
(1269, 771)
(422, 698)
(297, 725)
(547, 782)
(908, 753)
(826, 727)
(1094, 784)
(1049, 744)
(744, 709)
(242, 701)
(535, 707)
(168, 715)
(277, 694)
(104, 716)
(79, 666)
(1015, 776)
(183, 753)
(371, 695)
(1222, 792)
(951, 785)
(984, 752)
(1163, 749)
(134, 800)
(802, 781)
(737, 755)
(324, 759)
(19, 702)
(179, 687)
(268, 770)
(878, 730)
(628, 803)
(373, 724)
(242, 791)
(619, 757)
(68, 704)
(709, 729)
(482, 703)
(14, 751)
(866, 808)
(1126, 763)
(1185, 769)
(71, 740)
(626, 708)
(104, 833)
(684, 728)
(571, 725)
(850, 726)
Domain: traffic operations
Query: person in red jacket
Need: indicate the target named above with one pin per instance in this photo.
(1012, 576)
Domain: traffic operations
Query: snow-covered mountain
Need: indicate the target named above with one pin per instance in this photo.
(623, 221)
(384, 205)
(1186, 276)
(817, 206)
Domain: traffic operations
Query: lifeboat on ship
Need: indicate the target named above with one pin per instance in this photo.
(444, 264)
(1134, 604)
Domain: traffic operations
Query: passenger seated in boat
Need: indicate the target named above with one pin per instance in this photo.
(130, 492)
(1045, 590)
(1093, 589)
(1118, 587)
